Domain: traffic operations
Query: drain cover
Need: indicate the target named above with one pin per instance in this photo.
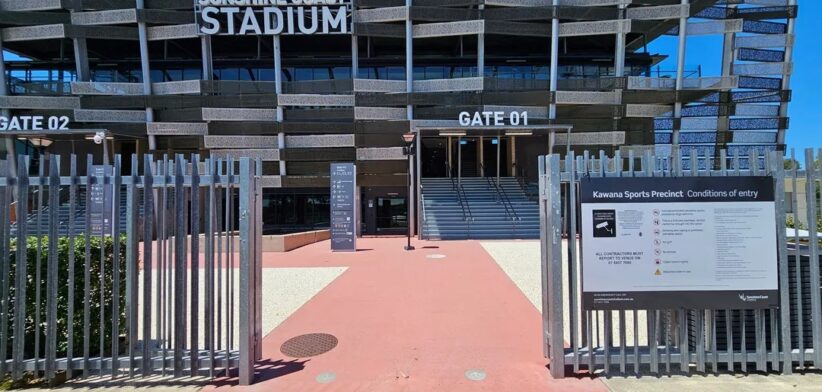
(435, 256)
(325, 378)
(309, 345)
(475, 374)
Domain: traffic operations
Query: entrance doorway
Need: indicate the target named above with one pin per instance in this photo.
(461, 156)
(384, 211)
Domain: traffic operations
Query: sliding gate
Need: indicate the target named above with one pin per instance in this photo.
(152, 270)
(681, 340)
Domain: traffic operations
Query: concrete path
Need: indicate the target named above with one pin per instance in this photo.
(441, 318)
(450, 316)
(520, 261)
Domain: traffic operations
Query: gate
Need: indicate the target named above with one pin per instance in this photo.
(127, 274)
(662, 341)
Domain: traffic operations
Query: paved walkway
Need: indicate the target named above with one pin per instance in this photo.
(409, 321)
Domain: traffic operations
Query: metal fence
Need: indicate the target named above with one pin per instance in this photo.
(171, 285)
(637, 341)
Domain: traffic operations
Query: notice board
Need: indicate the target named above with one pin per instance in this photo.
(343, 207)
(690, 242)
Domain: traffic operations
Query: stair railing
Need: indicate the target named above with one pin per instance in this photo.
(424, 216)
(456, 189)
(503, 199)
(461, 190)
(522, 180)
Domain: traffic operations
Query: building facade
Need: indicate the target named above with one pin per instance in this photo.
(487, 86)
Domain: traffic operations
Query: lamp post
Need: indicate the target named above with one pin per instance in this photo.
(409, 152)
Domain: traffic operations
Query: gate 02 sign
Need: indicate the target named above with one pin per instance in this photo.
(343, 207)
(692, 242)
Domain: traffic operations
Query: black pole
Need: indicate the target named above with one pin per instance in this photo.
(408, 199)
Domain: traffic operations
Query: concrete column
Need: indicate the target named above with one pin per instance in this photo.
(481, 156)
(552, 108)
(81, 56)
(786, 76)
(355, 50)
(417, 181)
(449, 149)
(10, 140)
(278, 88)
(145, 64)
(481, 49)
(459, 160)
(680, 75)
(409, 88)
(281, 146)
(409, 57)
(81, 59)
(619, 55)
(723, 121)
(208, 65)
(512, 168)
(619, 72)
(499, 158)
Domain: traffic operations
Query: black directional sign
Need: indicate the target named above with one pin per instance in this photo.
(343, 207)
(100, 210)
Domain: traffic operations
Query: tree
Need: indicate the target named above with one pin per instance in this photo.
(791, 163)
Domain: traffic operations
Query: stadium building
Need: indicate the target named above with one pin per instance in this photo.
(485, 86)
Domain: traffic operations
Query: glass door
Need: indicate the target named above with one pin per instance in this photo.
(392, 215)
(434, 158)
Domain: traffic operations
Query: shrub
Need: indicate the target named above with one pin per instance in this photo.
(95, 288)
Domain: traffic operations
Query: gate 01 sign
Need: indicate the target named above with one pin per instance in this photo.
(343, 207)
(663, 243)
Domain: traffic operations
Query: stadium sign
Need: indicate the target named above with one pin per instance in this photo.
(273, 17)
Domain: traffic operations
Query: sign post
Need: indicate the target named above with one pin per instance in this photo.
(693, 242)
(343, 207)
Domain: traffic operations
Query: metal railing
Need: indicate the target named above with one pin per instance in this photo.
(424, 216)
(502, 198)
(457, 188)
(636, 340)
(176, 292)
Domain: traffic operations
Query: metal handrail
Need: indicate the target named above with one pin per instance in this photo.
(506, 199)
(522, 180)
(461, 189)
(424, 217)
(503, 199)
(459, 195)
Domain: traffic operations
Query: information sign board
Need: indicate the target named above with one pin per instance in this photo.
(691, 242)
(343, 207)
(100, 210)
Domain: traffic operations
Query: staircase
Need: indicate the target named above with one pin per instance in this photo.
(478, 209)
(33, 227)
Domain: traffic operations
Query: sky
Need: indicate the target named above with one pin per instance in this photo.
(806, 106)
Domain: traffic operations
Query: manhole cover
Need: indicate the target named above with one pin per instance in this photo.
(435, 256)
(325, 378)
(475, 374)
(309, 345)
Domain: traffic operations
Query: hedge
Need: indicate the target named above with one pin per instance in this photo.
(80, 266)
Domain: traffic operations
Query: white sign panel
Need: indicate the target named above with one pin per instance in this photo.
(652, 243)
(493, 119)
(34, 123)
(273, 17)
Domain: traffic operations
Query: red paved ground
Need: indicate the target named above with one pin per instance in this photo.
(408, 323)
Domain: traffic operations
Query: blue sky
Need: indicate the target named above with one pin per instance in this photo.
(806, 82)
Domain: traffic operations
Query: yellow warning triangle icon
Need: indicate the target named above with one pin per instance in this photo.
(658, 272)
